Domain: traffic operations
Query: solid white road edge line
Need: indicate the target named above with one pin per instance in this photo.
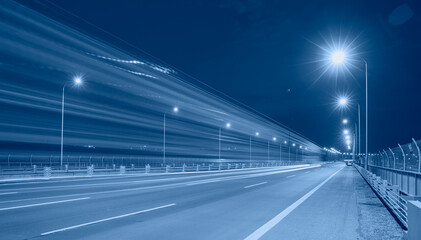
(42, 204)
(257, 184)
(106, 219)
(272, 223)
(290, 176)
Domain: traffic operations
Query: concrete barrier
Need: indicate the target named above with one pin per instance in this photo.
(414, 220)
(90, 170)
(122, 170)
(47, 172)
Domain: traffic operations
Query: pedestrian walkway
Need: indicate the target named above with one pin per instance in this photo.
(344, 208)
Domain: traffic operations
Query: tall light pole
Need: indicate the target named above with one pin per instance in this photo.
(366, 116)
(257, 134)
(77, 81)
(175, 109)
(338, 57)
(227, 125)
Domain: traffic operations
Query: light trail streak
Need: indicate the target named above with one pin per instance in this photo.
(119, 110)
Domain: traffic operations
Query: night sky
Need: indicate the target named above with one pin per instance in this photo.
(264, 54)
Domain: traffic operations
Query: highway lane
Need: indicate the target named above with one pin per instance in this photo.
(212, 206)
(75, 187)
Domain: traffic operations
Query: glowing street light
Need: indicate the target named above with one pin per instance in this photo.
(347, 137)
(227, 125)
(175, 109)
(338, 57)
(257, 133)
(274, 138)
(345, 121)
(77, 81)
(346, 131)
(343, 101)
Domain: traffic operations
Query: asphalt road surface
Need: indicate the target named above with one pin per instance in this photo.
(295, 202)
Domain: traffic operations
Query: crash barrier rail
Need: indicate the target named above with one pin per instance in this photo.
(389, 194)
(18, 161)
(400, 166)
(91, 170)
(403, 157)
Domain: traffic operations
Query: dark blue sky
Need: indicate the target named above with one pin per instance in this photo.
(260, 53)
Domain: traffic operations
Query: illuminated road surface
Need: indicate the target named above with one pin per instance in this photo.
(307, 202)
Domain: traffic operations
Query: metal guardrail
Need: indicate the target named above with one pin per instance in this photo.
(47, 172)
(399, 166)
(389, 194)
(404, 157)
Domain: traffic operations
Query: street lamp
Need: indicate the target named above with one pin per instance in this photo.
(175, 109)
(77, 81)
(227, 125)
(338, 57)
(257, 134)
(343, 101)
(346, 131)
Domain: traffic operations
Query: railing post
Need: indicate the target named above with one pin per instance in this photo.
(47, 172)
(386, 156)
(419, 155)
(394, 159)
(403, 155)
(122, 170)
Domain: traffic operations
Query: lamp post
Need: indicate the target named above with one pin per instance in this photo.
(227, 125)
(175, 109)
(338, 57)
(77, 81)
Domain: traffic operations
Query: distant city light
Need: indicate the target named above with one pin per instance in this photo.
(257, 133)
(345, 121)
(338, 57)
(175, 109)
(346, 132)
(285, 142)
(274, 138)
(348, 142)
(347, 137)
(293, 144)
(228, 125)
